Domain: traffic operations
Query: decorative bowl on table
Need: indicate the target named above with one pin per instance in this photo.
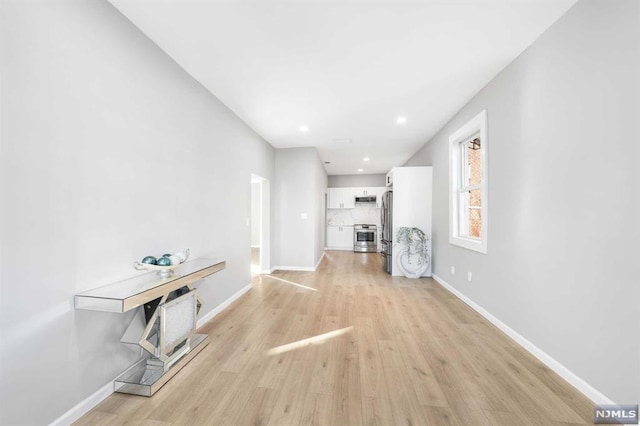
(163, 265)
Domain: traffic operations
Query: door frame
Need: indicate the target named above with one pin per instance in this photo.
(265, 222)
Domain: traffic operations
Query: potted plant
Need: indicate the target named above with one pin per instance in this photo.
(413, 260)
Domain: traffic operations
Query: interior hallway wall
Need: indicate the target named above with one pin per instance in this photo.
(109, 152)
(300, 186)
(563, 244)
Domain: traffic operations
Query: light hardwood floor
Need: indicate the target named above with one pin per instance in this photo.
(402, 352)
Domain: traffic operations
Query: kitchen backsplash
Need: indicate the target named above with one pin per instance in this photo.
(362, 213)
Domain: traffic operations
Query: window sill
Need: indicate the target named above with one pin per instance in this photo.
(468, 243)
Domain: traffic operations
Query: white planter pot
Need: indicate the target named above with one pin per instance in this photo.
(410, 264)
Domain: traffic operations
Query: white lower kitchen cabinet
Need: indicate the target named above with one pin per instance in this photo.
(340, 237)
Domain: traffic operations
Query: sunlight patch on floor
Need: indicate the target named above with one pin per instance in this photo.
(290, 282)
(315, 340)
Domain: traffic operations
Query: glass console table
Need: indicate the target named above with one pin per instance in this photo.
(164, 324)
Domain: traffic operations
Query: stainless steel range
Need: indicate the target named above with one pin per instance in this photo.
(365, 238)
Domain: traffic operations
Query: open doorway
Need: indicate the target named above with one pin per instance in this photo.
(260, 226)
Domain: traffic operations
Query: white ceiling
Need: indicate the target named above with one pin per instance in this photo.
(346, 69)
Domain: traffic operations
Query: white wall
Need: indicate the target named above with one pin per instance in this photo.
(359, 180)
(320, 193)
(109, 152)
(563, 246)
(300, 187)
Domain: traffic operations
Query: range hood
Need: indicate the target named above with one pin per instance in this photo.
(365, 198)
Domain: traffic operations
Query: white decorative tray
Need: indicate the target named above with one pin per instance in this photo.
(162, 270)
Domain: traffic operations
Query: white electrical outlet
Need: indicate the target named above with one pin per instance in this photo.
(304, 216)
(469, 276)
(453, 270)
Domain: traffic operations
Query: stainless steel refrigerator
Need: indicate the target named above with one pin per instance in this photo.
(386, 221)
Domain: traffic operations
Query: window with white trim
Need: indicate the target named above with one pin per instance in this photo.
(468, 212)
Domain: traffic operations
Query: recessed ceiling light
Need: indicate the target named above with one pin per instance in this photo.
(366, 159)
(304, 128)
(360, 170)
(401, 120)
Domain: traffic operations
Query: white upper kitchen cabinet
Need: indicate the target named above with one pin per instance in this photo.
(341, 198)
(364, 192)
(348, 198)
(344, 198)
(334, 200)
(378, 191)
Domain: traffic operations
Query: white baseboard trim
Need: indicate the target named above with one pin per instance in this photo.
(339, 248)
(104, 392)
(319, 261)
(585, 388)
(298, 268)
(267, 271)
(252, 246)
(84, 406)
(221, 307)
